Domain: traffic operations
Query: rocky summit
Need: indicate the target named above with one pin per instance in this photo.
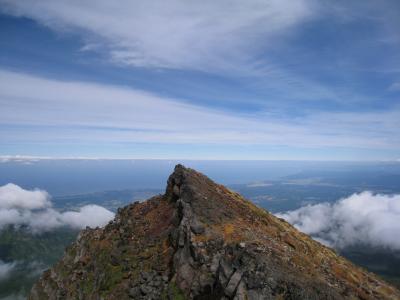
(201, 240)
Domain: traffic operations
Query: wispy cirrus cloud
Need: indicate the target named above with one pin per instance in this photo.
(55, 111)
(206, 35)
(233, 38)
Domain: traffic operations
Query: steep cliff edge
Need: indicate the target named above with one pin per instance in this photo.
(202, 241)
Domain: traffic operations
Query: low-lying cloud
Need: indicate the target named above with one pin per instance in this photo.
(361, 219)
(13, 196)
(33, 209)
(6, 269)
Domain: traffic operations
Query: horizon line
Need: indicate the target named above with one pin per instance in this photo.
(33, 158)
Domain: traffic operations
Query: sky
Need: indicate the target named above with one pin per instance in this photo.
(270, 79)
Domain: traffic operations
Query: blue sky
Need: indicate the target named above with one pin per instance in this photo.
(222, 79)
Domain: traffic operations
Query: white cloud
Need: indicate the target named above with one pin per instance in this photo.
(5, 269)
(84, 112)
(23, 159)
(173, 34)
(29, 159)
(228, 36)
(20, 207)
(224, 37)
(90, 215)
(12, 196)
(361, 219)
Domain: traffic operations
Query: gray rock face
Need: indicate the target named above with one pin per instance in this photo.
(215, 270)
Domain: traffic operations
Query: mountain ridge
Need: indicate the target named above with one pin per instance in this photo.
(200, 240)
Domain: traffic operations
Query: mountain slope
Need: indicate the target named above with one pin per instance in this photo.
(203, 241)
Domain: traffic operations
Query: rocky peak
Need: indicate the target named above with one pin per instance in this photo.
(202, 241)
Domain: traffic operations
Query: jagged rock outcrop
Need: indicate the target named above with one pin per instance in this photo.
(202, 241)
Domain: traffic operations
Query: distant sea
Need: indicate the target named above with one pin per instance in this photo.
(77, 176)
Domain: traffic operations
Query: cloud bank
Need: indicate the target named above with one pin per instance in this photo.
(12, 196)
(32, 208)
(361, 219)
